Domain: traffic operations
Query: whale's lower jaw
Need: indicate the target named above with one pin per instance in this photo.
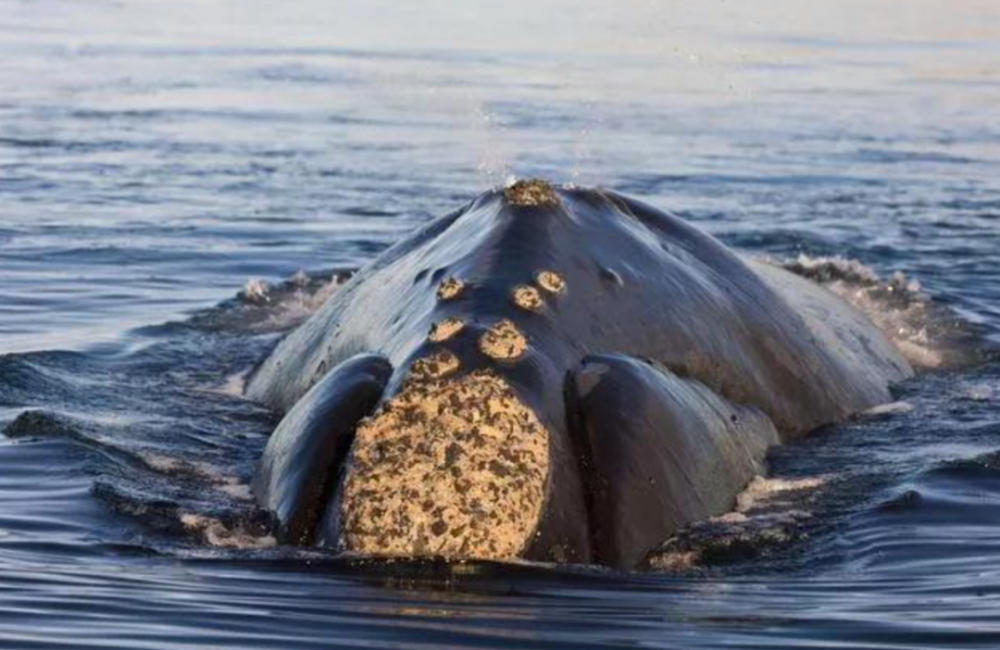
(455, 468)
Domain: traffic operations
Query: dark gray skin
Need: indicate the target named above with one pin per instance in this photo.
(662, 371)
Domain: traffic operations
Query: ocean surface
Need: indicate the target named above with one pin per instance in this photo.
(183, 182)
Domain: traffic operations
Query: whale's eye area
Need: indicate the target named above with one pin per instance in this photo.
(455, 468)
(445, 329)
(550, 281)
(503, 341)
(527, 298)
(450, 289)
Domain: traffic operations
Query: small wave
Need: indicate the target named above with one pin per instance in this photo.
(889, 156)
(184, 512)
(943, 519)
(167, 493)
(25, 378)
(927, 333)
(38, 423)
(42, 424)
(235, 384)
(983, 466)
(770, 514)
(262, 307)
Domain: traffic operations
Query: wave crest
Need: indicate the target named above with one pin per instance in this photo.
(928, 333)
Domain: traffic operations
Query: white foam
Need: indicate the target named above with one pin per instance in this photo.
(762, 489)
(257, 290)
(216, 533)
(892, 408)
(234, 488)
(233, 384)
(263, 307)
(161, 463)
(295, 302)
(229, 485)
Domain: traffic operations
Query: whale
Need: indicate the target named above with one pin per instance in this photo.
(553, 374)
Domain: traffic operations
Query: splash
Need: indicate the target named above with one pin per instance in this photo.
(263, 308)
(256, 291)
(927, 333)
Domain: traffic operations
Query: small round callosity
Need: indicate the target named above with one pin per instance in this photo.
(450, 289)
(527, 298)
(550, 281)
(503, 341)
(445, 329)
(437, 365)
(531, 192)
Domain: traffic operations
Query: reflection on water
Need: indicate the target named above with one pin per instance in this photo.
(157, 158)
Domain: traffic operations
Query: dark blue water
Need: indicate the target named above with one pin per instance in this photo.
(158, 158)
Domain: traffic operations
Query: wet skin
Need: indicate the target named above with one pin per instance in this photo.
(553, 374)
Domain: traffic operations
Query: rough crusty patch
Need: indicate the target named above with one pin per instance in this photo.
(440, 364)
(674, 562)
(550, 281)
(445, 329)
(531, 192)
(527, 298)
(503, 341)
(454, 468)
(450, 288)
